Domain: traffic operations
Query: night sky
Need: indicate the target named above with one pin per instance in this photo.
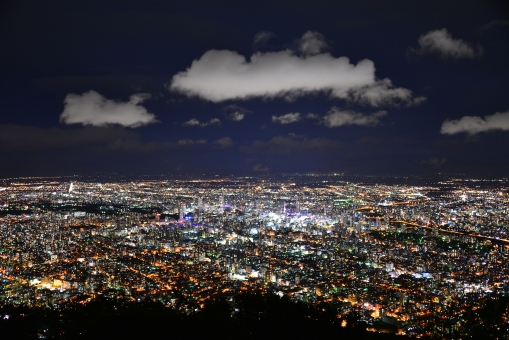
(245, 88)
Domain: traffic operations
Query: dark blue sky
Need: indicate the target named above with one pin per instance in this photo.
(425, 88)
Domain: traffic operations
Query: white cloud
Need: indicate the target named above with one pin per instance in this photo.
(191, 142)
(475, 124)
(225, 75)
(213, 121)
(262, 38)
(196, 122)
(312, 43)
(236, 116)
(91, 108)
(441, 42)
(235, 113)
(224, 143)
(287, 118)
(260, 168)
(312, 116)
(192, 122)
(382, 93)
(337, 117)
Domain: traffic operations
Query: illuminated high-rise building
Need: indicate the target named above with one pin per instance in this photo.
(181, 214)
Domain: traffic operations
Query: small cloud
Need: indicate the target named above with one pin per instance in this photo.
(287, 118)
(337, 117)
(93, 109)
(262, 38)
(434, 162)
(495, 23)
(196, 122)
(475, 124)
(213, 121)
(442, 43)
(235, 116)
(191, 142)
(259, 168)
(312, 43)
(383, 93)
(224, 143)
(192, 122)
(235, 113)
(312, 116)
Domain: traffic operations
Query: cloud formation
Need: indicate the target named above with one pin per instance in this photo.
(312, 43)
(383, 93)
(225, 75)
(192, 122)
(235, 112)
(224, 143)
(337, 117)
(287, 118)
(196, 122)
(93, 109)
(262, 37)
(475, 124)
(496, 23)
(441, 42)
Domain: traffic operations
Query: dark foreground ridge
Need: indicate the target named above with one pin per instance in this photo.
(247, 315)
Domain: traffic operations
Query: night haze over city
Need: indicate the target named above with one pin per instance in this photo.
(268, 169)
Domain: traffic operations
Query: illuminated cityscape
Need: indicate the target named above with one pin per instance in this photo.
(416, 260)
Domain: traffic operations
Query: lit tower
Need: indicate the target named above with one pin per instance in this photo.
(181, 214)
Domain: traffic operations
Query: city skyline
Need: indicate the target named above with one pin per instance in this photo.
(276, 87)
(425, 261)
